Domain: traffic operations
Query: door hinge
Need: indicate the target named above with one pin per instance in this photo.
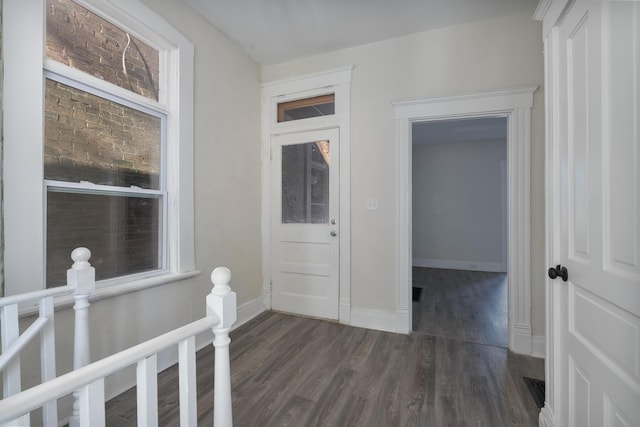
(270, 285)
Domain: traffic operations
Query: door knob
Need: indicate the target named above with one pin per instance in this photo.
(333, 233)
(559, 271)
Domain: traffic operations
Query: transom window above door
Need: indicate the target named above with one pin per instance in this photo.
(306, 108)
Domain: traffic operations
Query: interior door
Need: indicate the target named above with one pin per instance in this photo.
(598, 221)
(305, 230)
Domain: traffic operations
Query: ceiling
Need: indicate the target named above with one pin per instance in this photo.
(460, 130)
(274, 31)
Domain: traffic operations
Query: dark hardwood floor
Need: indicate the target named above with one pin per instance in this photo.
(462, 305)
(294, 371)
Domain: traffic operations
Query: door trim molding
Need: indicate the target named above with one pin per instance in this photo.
(515, 105)
(336, 81)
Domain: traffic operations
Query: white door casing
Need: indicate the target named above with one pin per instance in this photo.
(337, 81)
(592, 52)
(305, 233)
(515, 104)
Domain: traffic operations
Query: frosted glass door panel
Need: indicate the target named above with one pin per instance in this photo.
(305, 183)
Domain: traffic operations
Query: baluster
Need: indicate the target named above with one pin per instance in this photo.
(147, 391)
(11, 374)
(82, 277)
(187, 379)
(91, 404)
(48, 359)
(222, 302)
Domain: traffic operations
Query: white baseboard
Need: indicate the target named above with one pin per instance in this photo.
(344, 312)
(520, 340)
(538, 346)
(373, 319)
(266, 297)
(546, 417)
(248, 311)
(458, 265)
(402, 321)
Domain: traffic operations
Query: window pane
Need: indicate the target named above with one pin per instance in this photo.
(305, 183)
(81, 39)
(122, 233)
(89, 138)
(306, 108)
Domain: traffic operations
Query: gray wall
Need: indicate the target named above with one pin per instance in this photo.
(458, 213)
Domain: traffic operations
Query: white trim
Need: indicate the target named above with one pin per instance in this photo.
(23, 53)
(70, 76)
(553, 408)
(520, 340)
(538, 344)
(114, 288)
(24, 197)
(542, 9)
(336, 81)
(546, 418)
(504, 216)
(454, 264)
(373, 319)
(248, 311)
(515, 104)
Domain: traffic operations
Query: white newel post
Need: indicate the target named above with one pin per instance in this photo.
(222, 302)
(81, 276)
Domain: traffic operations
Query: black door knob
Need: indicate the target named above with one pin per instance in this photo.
(559, 271)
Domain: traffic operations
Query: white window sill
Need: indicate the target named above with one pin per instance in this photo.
(111, 289)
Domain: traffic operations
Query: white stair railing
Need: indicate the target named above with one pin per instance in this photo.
(80, 283)
(89, 380)
(82, 277)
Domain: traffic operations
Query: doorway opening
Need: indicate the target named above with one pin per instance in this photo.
(459, 230)
(515, 105)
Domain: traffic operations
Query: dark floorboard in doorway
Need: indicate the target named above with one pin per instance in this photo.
(462, 305)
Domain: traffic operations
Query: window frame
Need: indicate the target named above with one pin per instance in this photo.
(24, 185)
(80, 80)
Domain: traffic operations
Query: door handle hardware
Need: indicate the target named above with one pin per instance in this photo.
(333, 233)
(559, 271)
(333, 222)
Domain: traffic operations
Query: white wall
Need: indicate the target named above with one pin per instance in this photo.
(481, 56)
(227, 204)
(457, 205)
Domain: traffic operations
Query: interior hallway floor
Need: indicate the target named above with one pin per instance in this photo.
(293, 371)
(468, 306)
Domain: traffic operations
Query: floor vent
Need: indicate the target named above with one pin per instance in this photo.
(536, 388)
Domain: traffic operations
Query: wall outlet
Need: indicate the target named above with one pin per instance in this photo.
(372, 204)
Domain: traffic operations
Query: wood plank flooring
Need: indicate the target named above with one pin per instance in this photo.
(294, 371)
(462, 305)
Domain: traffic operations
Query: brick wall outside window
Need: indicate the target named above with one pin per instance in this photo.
(91, 138)
(83, 40)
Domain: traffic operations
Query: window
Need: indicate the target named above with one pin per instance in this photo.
(305, 183)
(102, 153)
(307, 108)
(108, 132)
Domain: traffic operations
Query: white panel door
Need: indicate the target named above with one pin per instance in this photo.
(305, 232)
(597, 220)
